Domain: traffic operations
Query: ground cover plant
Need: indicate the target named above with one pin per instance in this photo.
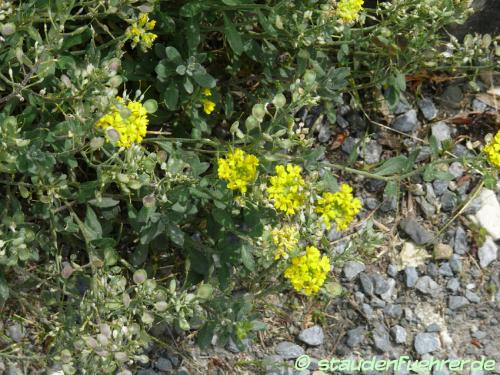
(154, 168)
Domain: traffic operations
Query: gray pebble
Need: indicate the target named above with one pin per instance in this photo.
(453, 284)
(460, 243)
(163, 364)
(289, 350)
(426, 285)
(325, 133)
(448, 201)
(441, 131)
(353, 269)
(456, 169)
(349, 145)
(426, 342)
(368, 311)
(355, 336)
(452, 96)
(434, 327)
(479, 335)
(372, 152)
(407, 122)
(456, 302)
(456, 263)
(472, 297)
(381, 338)
(440, 186)
(394, 311)
(445, 269)
(411, 276)
(428, 108)
(415, 230)
(381, 284)
(15, 332)
(487, 252)
(366, 284)
(399, 334)
(312, 336)
(392, 270)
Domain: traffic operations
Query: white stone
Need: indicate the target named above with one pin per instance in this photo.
(487, 253)
(488, 216)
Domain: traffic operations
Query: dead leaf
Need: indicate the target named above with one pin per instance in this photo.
(411, 256)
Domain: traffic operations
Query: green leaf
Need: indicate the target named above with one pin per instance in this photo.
(173, 55)
(204, 79)
(223, 217)
(205, 335)
(92, 223)
(257, 325)
(391, 189)
(175, 233)
(191, 9)
(151, 105)
(151, 231)
(4, 290)
(171, 95)
(392, 166)
(232, 35)
(104, 202)
(434, 144)
(247, 257)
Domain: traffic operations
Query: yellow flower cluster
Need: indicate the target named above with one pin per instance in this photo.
(340, 207)
(287, 188)
(139, 34)
(492, 150)
(348, 10)
(286, 239)
(129, 121)
(238, 169)
(307, 273)
(208, 105)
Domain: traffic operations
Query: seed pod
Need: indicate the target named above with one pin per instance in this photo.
(258, 111)
(279, 100)
(140, 276)
(8, 29)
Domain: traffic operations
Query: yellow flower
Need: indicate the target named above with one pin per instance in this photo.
(492, 150)
(207, 92)
(286, 239)
(130, 121)
(287, 188)
(348, 10)
(139, 34)
(238, 169)
(208, 106)
(307, 273)
(340, 207)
